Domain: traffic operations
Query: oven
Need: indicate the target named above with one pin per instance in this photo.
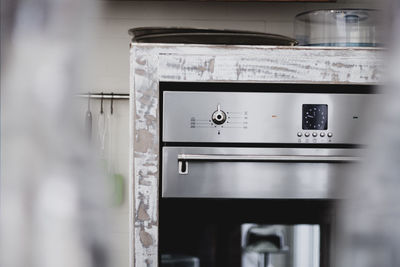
(261, 142)
(246, 164)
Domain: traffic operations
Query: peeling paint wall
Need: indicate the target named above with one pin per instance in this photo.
(153, 63)
(146, 158)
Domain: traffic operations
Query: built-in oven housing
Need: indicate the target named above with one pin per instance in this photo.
(240, 153)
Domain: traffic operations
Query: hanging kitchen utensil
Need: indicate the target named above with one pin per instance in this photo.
(109, 142)
(102, 127)
(117, 179)
(101, 103)
(88, 120)
(112, 103)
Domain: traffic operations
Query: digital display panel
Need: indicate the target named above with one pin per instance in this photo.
(315, 117)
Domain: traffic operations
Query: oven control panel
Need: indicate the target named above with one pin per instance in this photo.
(258, 117)
(219, 116)
(220, 119)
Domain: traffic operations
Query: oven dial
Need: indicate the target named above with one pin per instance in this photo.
(218, 117)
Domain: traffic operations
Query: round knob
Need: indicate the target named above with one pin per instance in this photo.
(218, 117)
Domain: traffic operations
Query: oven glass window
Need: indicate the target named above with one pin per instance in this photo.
(315, 117)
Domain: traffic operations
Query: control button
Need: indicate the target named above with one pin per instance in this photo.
(218, 117)
(299, 134)
(307, 134)
(314, 134)
(322, 134)
(330, 134)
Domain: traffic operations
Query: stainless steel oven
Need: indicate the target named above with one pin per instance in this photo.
(260, 141)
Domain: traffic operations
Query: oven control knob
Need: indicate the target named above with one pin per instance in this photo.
(218, 117)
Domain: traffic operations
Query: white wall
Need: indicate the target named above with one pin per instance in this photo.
(109, 58)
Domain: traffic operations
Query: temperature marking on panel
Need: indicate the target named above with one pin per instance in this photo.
(237, 127)
(198, 123)
(236, 119)
(235, 112)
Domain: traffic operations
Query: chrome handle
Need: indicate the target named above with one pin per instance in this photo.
(237, 157)
(183, 159)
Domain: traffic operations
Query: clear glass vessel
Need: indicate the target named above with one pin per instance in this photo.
(339, 27)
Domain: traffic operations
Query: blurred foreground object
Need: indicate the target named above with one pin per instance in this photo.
(370, 233)
(52, 195)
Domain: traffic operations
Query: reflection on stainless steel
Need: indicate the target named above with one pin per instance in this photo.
(299, 245)
(313, 178)
(265, 241)
(173, 260)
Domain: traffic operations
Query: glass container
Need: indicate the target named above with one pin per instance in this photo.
(339, 27)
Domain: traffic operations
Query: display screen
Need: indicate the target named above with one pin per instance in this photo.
(315, 117)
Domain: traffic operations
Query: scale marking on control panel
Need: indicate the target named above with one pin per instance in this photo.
(222, 120)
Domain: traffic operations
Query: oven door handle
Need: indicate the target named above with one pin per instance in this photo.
(183, 159)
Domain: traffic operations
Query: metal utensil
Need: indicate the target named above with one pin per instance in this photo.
(88, 120)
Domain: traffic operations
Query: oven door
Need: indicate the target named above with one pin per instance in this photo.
(217, 172)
